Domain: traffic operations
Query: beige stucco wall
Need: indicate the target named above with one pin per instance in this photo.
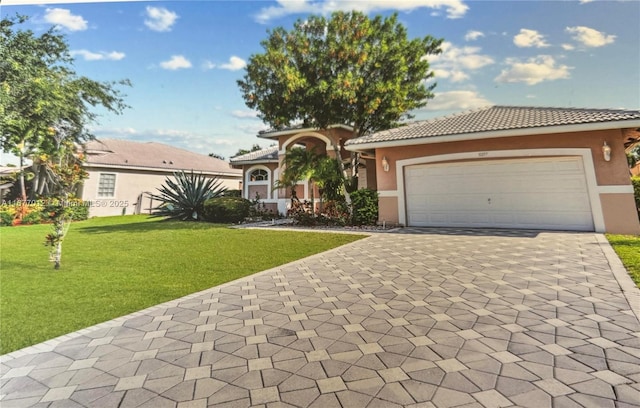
(616, 209)
(129, 185)
(620, 210)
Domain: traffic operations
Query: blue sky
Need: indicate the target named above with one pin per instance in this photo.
(184, 57)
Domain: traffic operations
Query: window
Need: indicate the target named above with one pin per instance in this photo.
(259, 175)
(107, 185)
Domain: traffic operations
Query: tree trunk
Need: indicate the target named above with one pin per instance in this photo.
(58, 256)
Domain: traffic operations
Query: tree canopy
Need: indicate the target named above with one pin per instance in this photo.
(45, 107)
(348, 69)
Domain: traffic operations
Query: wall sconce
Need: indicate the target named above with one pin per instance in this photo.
(385, 163)
(606, 151)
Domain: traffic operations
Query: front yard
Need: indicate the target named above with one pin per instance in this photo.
(117, 265)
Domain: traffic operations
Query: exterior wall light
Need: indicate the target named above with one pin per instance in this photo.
(606, 151)
(385, 163)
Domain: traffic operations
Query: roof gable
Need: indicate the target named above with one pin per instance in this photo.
(501, 118)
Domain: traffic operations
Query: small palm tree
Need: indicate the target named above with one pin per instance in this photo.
(322, 171)
(183, 199)
(299, 164)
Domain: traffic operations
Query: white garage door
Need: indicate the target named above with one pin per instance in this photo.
(542, 193)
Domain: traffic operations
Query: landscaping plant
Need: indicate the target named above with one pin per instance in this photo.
(226, 209)
(364, 204)
(60, 216)
(183, 197)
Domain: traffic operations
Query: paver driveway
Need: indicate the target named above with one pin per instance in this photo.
(422, 317)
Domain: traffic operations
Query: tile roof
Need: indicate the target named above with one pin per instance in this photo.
(274, 133)
(496, 118)
(266, 154)
(151, 155)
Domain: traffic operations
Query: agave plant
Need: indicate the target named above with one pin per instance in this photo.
(183, 198)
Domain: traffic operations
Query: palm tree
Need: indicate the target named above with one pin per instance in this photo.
(300, 164)
(322, 171)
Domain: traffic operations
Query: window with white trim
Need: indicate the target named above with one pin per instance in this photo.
(259, 175)
(107, 185)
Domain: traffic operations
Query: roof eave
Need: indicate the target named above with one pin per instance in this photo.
(278, 133)
(156, 169)
(244, 162)
(544, 130)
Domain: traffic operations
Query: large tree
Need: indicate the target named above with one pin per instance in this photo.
(348, 69)
(45, 106)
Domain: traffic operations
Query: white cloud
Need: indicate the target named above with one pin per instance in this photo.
(533, 71)
(176, 62)
(454, 8)
(64, 18)
(234, 64)
(457, 100)
(568, 47)
(453, 76)
(529, 38)
(160, 19)
(252, 129)
(244, 114)
(99, 56)
(455, 62)
(589, 37)
(207, 65)
(473, 35)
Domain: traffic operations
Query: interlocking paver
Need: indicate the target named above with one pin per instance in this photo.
(403, 319)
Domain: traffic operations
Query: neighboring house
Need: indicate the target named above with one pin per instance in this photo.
(495, 167)
(262, 168)
(7, 174)
(122, 174)
(508, 167)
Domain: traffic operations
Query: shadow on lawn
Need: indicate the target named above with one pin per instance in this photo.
(161, 225)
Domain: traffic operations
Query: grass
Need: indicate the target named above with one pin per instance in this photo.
(628, 249)
(113, 266)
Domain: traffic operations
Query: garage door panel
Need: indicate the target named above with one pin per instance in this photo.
(523, 193)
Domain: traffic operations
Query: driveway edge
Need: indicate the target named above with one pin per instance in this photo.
(629, 289)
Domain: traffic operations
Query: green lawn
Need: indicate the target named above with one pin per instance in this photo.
(113, 266)
(628, 249)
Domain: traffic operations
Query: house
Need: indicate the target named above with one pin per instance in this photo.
(262, 168)
(122, 173)
(508, 167)
(494, 167)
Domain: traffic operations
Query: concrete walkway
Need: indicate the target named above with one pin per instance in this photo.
(424, 318)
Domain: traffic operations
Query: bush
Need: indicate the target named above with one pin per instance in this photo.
(34, 217)
(6, 218)
(364, 205)
(183, 197)
(233, 193)
(226, 209)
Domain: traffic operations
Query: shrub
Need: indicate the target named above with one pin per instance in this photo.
(34, 217)
(233, 193)
(6, 218)
(226, 209)
(183, 198)
(364, 205)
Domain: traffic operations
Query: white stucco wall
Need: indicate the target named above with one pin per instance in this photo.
(129, 186)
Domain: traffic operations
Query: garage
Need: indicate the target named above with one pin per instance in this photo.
(531, 193)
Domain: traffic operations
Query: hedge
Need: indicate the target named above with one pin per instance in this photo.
(226, 209)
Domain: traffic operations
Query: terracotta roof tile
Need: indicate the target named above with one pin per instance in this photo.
(496, 118)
